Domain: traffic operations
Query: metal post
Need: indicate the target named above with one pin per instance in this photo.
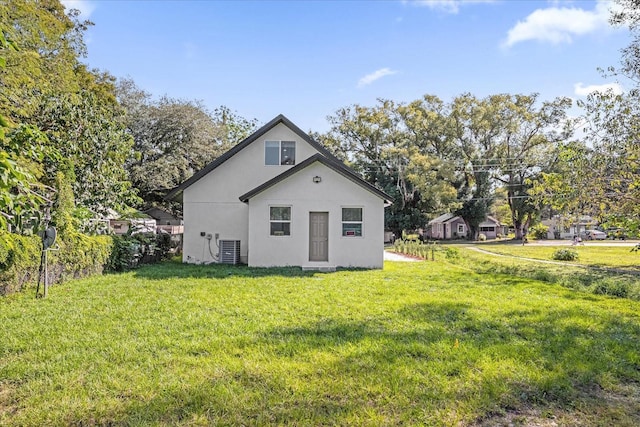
(46, 274)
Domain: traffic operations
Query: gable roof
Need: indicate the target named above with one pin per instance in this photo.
(449, 217)
(175, 193)
(160, 214)
(332, 163)
(443, 218)
(491, 219)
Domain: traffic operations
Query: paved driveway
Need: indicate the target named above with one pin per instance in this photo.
(392, 256)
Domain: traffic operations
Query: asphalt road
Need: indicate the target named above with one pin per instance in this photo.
(623, 243)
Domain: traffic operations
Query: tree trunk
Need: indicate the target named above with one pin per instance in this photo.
(517, 225)
(474, 232)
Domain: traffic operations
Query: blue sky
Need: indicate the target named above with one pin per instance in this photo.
(306, 59)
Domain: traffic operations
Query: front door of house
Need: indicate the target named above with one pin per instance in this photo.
(318, 236)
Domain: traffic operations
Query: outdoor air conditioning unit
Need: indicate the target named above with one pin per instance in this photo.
(229, 251)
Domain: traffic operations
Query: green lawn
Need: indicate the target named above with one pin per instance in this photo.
(596, 255)
(425, 343)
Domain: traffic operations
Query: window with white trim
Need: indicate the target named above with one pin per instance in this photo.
(460, 228)
(279, 152)
(280, 220)
(352, 222)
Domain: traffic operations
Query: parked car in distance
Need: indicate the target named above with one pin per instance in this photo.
(595, 235)
(616, 233)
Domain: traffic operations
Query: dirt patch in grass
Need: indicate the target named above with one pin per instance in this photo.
(596, 407)
(7, 402)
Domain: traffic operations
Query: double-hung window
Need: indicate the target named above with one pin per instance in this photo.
(280, 220)
(279, 152)
(352, 222)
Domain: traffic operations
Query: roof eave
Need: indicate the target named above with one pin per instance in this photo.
(335, 165)
(176, 193)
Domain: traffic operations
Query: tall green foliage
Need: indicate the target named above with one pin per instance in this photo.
(50, 43)
(22, 148)
(65, 112)
(90, 133)
(599, 175)
(434, 157)
(173, 139)
(377, 143)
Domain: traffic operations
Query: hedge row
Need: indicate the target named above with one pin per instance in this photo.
(19, 261)
(424, 250)
(78, 256)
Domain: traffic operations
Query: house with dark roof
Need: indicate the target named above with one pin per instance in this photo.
(279, 198)
(446, 226)
(449, 226)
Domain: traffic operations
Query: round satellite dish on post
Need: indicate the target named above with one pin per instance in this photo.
(49, 237)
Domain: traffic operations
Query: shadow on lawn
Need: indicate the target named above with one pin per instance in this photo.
(173, 269)
(556, 358)
(237, 399)
(426, 359)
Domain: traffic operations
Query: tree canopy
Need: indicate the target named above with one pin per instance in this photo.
(435, 157)
(173, 139)
(115, 146)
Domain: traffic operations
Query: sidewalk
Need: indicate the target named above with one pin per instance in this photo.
(392, 256)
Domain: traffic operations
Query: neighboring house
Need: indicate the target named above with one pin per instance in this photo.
(491, 227)
(562, 227)
(162, 217)
(446, 227)
(450, 226)
(166, 223)
(279, 198)
(137, 225)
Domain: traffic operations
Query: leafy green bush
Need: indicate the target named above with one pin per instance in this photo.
(129, 251)
(122, 255)
(482, 237)
(451, 253)
(78, 256)
(612, 287)
(19, 261)
(538, 231)
(565, 255)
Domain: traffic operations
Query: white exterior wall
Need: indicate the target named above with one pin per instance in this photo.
(304, 196)
(211, 204)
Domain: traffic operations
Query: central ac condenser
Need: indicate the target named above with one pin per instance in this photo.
(229, 251)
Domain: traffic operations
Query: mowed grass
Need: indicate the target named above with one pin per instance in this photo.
(425, 343)
(593, 254)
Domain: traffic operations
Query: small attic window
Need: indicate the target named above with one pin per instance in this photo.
(280, 153)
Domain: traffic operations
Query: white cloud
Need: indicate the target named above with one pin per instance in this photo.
(449, 6)
(85, 7)
(378, 74)
(582, 90)
(559, 24)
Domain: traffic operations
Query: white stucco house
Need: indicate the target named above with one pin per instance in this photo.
(279, 198)
(563, 227)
